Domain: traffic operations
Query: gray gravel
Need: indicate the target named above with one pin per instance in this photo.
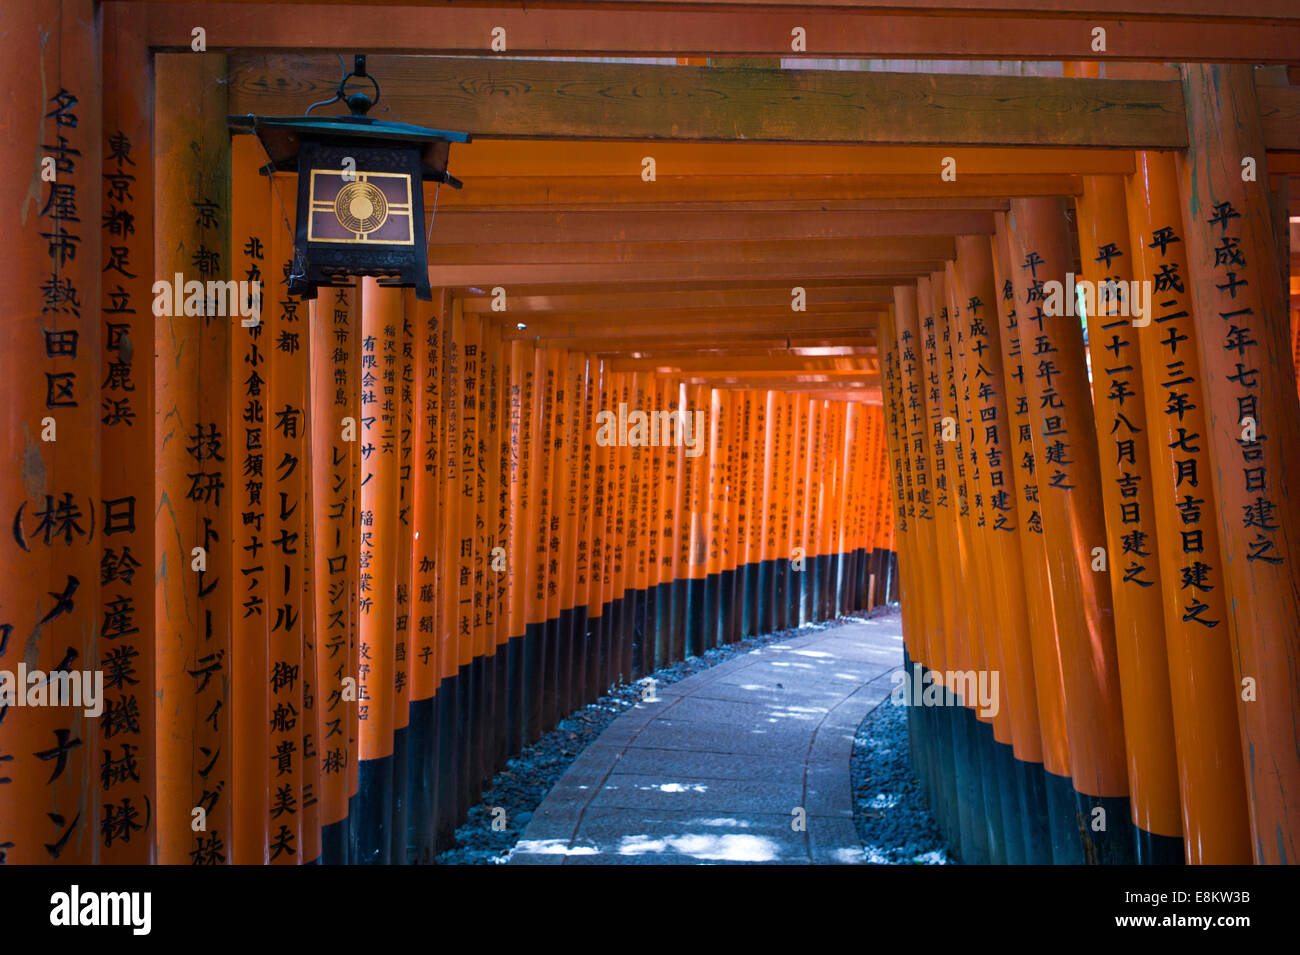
(889, 808)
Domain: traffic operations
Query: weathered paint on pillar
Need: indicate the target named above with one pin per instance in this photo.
(191, 365)
(1132, 554)
(1214, 814)
(1065, 449)
(1240, 311)
(125, 824)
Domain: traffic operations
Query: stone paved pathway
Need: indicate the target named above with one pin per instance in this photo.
(714, 769)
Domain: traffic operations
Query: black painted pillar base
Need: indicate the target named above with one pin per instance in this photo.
(970, 788)
(549, 632)
(372, 836)
(642, 635)
(1013, 838)
(1155, 849)
(445, 781)
(502, 705)
(1036, 832)
(465, 699)
(534, 700)
(421, 816)
(334, 842)
(1116, 844)
(401, 780)
(515, 711)
(564, 663)
(663, 616)
(1062, 817)
(694, 616)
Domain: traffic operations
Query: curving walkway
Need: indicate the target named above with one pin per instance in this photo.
(714, 770)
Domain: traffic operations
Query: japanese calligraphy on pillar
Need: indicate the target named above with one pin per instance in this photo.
(126, 413)
(286, 556)
(334, 433)
(51, 608)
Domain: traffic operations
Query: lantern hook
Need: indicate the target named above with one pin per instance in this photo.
(358, 103)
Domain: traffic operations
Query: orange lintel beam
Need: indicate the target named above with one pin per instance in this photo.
(720, 29)
(491, 228)
(879, 251)
(567, 100)
(451, 276)
(565, 189)
(719, 341)
(616, 300)
(832, 326)
(534, 157)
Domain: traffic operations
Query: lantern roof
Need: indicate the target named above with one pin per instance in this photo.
(282, 137)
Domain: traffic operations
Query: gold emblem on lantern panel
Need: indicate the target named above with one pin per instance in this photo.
(361, 208)
(358, 209)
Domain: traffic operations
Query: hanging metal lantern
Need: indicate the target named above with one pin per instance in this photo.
(360, 190)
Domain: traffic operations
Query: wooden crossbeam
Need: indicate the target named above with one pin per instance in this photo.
(579, 100)
(829, 327)
(714, 340)
(636, 301)
(745, 364)
(599, 156)
(672, 273)
(822, 317)
(909, 251)
(498, 228)
(748, 30)
(783, 191)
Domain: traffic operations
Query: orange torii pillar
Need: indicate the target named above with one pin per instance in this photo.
(729, 622)
(925, 748)
(670, 502)
(1049, 788)
(927, 656)
(1066, 455)
(715, 492)
(883, 545)
(1254, 429)
(447, 595)
(1211, 778)
(252, 227)
(568, 475)
(426, 518)
(798, 494)
(126, 824)
(990, 728)
(285, 558)
(1126, 456)
(548, 545)
(596, 625)
(516, 401)
(381, 317)
(53, 779)
(403, 397)
(584, 566)
(334, 396)
(1024, 807)
(192, 602)
(937, 508)
(499, 571)
(978, 795)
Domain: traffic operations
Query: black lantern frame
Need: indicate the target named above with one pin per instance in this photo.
(360, 208)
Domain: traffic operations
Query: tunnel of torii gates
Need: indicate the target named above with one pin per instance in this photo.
(337, 566)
